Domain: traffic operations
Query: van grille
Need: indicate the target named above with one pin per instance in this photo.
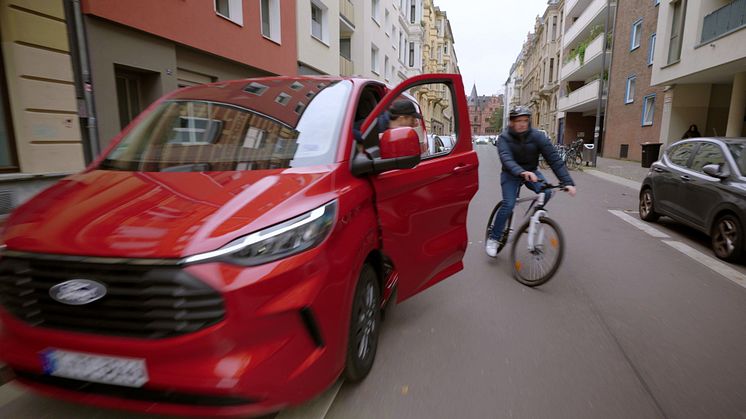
(149, 302)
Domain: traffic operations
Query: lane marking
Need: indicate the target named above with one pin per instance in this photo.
(712, 263)
(640, 224)
(616, 179)
(316, 408)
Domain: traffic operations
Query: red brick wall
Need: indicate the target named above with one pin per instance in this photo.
(575, 124)
(624, 121)
(195, 23)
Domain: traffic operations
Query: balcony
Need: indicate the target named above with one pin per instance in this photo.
(593, 15)
(581, 100)
(724, 20)
(346, 67)
(347, 12)
(582, 68)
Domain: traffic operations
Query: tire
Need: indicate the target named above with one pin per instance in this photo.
(727, 238)
(523, 271)
(646, 207)
(365, 323)
(506, 231)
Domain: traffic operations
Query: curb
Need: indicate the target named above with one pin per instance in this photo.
(616, 179)
(6, 374)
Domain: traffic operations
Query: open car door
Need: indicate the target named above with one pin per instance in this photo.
(422, 211)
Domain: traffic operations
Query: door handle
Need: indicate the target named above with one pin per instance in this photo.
(461, 168)
(685, 178)
(659, 170)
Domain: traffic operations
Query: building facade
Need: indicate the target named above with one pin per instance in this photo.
(586, 59)
(634, 108)
(700, 61)
(483, 111)
(140, 50)
(513, 87)
(320, 26)
(40, 122)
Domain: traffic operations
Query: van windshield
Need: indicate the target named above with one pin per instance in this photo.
(190, 135)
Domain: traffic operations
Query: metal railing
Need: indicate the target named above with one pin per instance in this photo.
(346, 67)
(723, 20)
(347, 10)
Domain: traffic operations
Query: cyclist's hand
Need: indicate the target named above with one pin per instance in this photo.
(571, 190)
(529, 177)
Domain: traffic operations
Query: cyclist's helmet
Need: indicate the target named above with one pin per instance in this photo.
(520, 111)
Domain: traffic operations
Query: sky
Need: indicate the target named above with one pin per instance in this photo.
(489, 35)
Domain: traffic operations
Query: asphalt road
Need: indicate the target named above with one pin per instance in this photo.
(630, 327)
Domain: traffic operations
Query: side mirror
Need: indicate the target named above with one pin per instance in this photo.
(400, 142)
(400, 149)
(714, 171)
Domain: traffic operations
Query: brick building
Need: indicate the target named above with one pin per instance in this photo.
(634, 107)
(481, 111)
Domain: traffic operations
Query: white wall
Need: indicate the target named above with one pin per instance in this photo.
(322, 55)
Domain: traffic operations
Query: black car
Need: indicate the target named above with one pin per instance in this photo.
(701, 182)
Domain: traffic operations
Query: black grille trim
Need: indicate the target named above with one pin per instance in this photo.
(150, 302)
(130, 393)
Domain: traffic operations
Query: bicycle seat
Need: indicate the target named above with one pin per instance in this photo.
(589, 146)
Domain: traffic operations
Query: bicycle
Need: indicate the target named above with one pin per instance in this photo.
(535, 239)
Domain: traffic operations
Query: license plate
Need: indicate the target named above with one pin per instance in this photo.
(129, 372)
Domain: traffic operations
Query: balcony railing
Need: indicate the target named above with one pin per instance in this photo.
(723, 20)
(589, 60)
(590, 14)
(576, 100)
(346, 67)
(347, 11)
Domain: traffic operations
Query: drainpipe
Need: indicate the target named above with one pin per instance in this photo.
(83, 80)
(601, 84)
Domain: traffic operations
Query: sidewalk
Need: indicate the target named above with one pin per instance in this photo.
(625, 172)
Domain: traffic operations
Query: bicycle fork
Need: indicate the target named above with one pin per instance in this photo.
(535, 232)
(534, 226)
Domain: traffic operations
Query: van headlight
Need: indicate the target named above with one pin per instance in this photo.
(288, 238)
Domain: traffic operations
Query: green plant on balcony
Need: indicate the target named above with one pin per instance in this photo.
(579, 51)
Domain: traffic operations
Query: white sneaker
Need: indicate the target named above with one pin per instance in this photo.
(491, 248)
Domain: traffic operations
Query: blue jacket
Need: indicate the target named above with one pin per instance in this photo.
(520, 153)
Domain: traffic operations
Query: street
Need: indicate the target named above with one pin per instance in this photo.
(632, 326)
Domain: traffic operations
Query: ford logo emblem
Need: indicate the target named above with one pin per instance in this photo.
(77, 292)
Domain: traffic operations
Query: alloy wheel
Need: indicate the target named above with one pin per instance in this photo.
(725, 238)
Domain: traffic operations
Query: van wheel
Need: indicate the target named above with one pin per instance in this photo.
(647, 211)
(365, 322)
(727, 238)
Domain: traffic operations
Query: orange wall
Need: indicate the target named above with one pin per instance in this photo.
(194, 23)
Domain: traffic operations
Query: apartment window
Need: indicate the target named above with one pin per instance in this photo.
(413, 13)
(319, 18)
(411, 54)
(440, 55)
(345, 48)
(648, 109)
(231, 10)
(445, 49)
(374, 59)
(386, 67)
(629, 95)
(7, 145)
(386, 23)
(554, 28)
(551, 70)
(376, 10)
(636, 35)
(677, 31)
(270, 15)
(283, 99)
(402, 47)
(651, 49)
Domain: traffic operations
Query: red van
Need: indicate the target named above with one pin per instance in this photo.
(232, 250)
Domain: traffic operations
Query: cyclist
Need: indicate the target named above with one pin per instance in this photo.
(519, 150)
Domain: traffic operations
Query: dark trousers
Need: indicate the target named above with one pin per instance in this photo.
(510, 185)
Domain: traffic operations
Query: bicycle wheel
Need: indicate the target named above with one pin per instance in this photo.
(536, 267)
(506, 231)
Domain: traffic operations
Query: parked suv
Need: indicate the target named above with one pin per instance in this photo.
(232, 250)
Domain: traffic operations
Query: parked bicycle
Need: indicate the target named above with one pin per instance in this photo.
(538, 245)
